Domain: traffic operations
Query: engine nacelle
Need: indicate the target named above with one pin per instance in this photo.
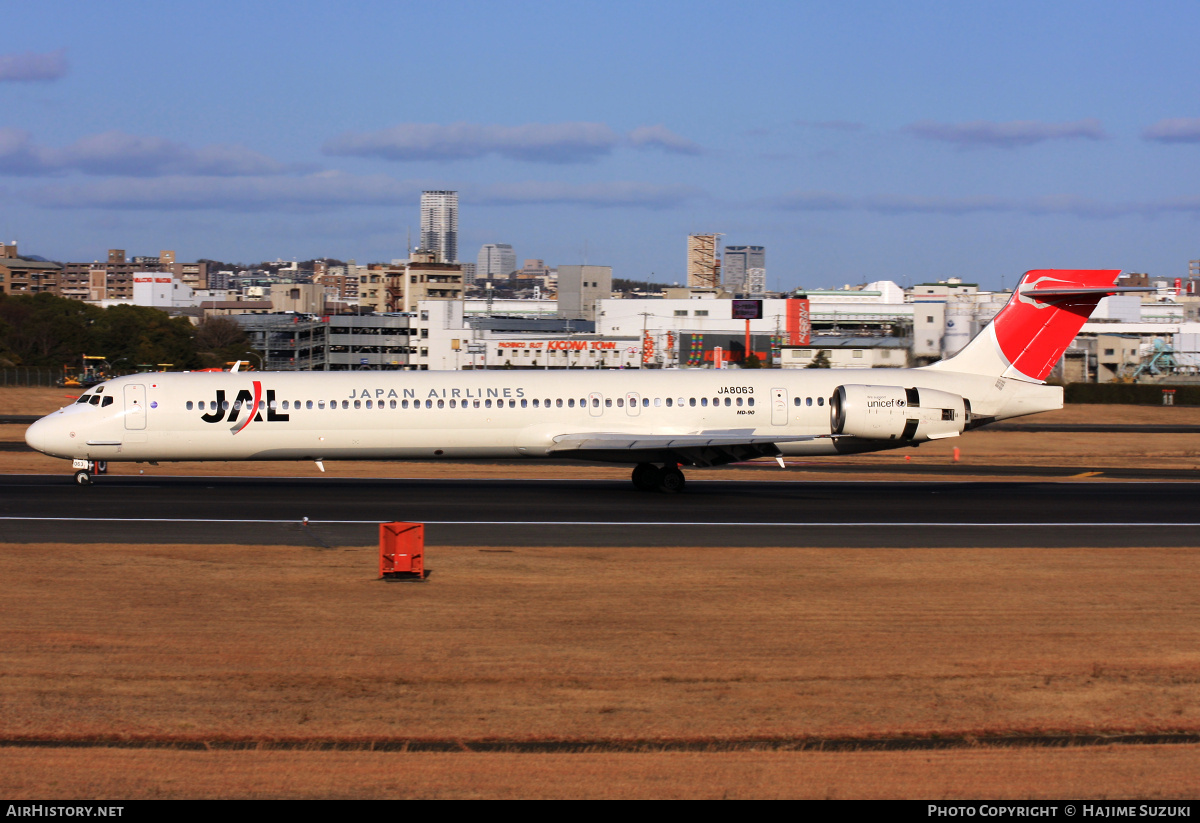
(897, 413)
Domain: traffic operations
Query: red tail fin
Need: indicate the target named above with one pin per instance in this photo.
(1046, 311)
(1040, 320)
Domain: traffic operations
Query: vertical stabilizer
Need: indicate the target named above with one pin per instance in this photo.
(1030, 334)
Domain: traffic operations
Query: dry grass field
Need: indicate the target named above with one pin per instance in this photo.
(293, 651)
(211, 644)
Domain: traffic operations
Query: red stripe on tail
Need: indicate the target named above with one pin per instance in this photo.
(1033, 333)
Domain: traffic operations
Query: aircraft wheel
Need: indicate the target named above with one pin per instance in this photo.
(671, 481)
(83, 477)
(646, 477)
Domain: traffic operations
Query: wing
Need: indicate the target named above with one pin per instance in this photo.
(710, 448)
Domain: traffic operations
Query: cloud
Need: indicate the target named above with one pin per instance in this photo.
(605, 194)
(533, 142)
(660, 137)
(116, 153)
(1059, 204)
(832, 125)
(333, 189)
(320, 190)
(32, 68)
(1176, 130)
(1006, 135)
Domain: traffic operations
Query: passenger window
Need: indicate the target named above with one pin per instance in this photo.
(442, 404)
(608, 402)
(189, 405)
(749, 401)
(796, 401)
(621, 402)
(558, 403)
(512, 404)
(476, 404)
(820, 401)
(320, 404)
(308, 404)
(739, 400)
(570, 402)
(668, 402)
(487, 404)
(658, 401)
(391, 404)
(429, 404)
(703, 401)
(645, 401)
(535, 402)
(808, 401)
(225, 405)
(691, 401)
(728, 401)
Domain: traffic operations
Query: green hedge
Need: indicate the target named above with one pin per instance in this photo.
(1133, 394)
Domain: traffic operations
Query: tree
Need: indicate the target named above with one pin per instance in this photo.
(146, 336)
(220, 340)
(751, 361)
(42, 330)
(821, 361)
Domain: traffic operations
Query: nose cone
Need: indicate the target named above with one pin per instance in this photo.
(40, 435)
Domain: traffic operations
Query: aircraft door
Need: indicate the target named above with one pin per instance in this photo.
(633, 403)
(595, 404)
(779, 411)
(135, 407)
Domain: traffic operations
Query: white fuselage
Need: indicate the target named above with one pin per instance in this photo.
(474, 414)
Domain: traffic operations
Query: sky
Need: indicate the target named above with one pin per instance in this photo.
(857, 141)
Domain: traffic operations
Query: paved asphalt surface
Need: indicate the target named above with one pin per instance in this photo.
(826, 513)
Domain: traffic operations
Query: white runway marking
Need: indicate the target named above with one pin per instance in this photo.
(735, 523)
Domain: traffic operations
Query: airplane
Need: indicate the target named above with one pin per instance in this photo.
(656, 420)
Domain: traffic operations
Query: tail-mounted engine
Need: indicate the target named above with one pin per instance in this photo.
(897, 413)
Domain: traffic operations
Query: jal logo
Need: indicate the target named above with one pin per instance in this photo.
(250, 402)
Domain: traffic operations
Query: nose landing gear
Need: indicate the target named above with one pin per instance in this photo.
(668, 479)
(85, 468)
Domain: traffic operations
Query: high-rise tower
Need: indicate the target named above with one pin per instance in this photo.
(745, 270)
(703, 268)
(439, 224)
(496, 261)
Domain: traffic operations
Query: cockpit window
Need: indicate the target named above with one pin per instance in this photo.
(94, 400)
(108, 401)
(83, 398)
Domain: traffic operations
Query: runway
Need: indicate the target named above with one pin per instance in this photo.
(515, 513)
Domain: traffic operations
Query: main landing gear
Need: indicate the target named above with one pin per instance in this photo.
(647, 478)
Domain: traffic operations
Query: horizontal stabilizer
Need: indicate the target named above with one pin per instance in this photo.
(1040, 294)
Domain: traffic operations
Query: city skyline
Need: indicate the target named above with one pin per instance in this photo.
(962, 142)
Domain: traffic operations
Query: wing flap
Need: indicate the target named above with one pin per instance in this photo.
(713, 448)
